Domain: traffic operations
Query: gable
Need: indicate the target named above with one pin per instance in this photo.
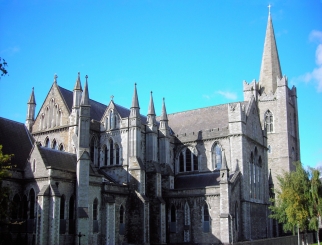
(253, 123)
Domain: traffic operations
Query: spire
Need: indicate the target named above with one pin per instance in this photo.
(270, 68)
(164, 115)
(85, 96)
(270, 179)
(135, 101)
(32, 99)
(224, 161)
(151, 110)
(78, 85)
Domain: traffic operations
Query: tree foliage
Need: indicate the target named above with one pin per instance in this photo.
(3, 67)
(4, 190)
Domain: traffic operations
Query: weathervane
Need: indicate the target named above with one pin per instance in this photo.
(112, 96)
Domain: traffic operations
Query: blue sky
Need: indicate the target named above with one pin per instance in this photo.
(193, 53)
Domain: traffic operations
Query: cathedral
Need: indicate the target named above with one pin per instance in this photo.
(89, 173)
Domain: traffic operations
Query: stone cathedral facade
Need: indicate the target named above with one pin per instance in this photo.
(91, 173)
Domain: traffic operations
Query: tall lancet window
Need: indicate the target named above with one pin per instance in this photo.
(117, 154)
(269, 124)
(112, 120)
(216, 157)
(122, 220)
(94, 154)
(105, 155)
(111, 152)
(206, 218)
(186, 234)
(173, 219)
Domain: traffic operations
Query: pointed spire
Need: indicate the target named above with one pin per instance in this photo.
(224, 161)
(78, 85)
(151, 110)
(164, 115)
(270, 179)
(135, 101)
(32, 99)
(270, 68)
(85, 96)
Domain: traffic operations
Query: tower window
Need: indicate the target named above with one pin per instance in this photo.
(269, 122)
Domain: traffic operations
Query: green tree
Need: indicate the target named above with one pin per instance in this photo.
(4, 190)
(315, 208)
(292, 204)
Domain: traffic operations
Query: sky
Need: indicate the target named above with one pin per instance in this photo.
(194, 53)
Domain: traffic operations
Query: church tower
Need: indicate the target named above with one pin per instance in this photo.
(278, 109)
(30, 120)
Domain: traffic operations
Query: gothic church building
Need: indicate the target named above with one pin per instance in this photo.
(89, 173)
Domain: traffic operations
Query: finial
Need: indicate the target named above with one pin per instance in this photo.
(135, 84)
(86, 77)
(269, 9)
(151, 92)
(78, 74)
(55, 78)
(32, 88)
(112, 96)
(163, 99)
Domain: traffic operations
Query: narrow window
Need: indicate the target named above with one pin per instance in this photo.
(95, 220)
(47, 142)
(92, 150)
(188, 160)
(117, 155)
(195, 162)
(236, 216)
(54, 145)
(61, 147)
(111, 152)
(122, 223)
(173, 220)
(71, 216)
(216, 157)
(269, 121)
(206, 220)
(105, 155)
(181, 162)
(32, 204)
(62, 207)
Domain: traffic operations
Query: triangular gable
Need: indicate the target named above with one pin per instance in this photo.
(253, 119)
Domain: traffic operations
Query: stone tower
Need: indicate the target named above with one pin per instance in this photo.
(277, 105)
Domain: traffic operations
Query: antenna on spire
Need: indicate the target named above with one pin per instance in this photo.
(269, 9)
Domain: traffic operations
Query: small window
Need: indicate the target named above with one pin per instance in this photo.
(269, 122)
(95, 204)
(105, 155)
(47, 142)
(61, 147)
(62, 207)
(236, 216)
(206, 219)
(54, 145)
(173, 220)
(111, 152)
(216, 156)
(117, 155)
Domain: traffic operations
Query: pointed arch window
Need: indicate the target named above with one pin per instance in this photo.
(62, 226)
(95, 215)
(111, 152)
(32, 204)
(216, 156)
(269, 124)
(105, 155)
(173, 219)
(122, 221)
(54, 145)
(112, 120)
(206, 218)
(93, 151)
(188, 161)
(61, 147)
(71, 215)
(117, 154)
(47, 142)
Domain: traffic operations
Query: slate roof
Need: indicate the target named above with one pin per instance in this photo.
(97, 108)
(15, 139)
(199, 119)
(197, 180)
(58, 159)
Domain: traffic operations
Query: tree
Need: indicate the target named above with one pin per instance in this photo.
(315, 208)
(293, 202)
(3, 65)
(4, 190)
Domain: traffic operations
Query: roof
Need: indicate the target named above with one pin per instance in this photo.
(197, 180)
(15, 139)
(97, 108)
(199, 119)
(58, 159)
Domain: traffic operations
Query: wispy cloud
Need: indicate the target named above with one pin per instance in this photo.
(316, 74)
(227, 94)
(10, 50)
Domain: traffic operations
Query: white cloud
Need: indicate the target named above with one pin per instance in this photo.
(227, 95)
(315, 75)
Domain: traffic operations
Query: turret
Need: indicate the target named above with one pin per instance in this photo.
(151, 134)
(77, 92)
(135, 126)
(224, 171)
(164, 126)
(151, 114)
(30, 120)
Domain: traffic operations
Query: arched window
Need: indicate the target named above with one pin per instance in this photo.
(269, 150)
(47, 142)
(95, 215)
(206, 218)
(94, 154)
(62, 207)
(173, 219)
(54, 145)
(188, 161)
(216, 157)
(251, 168)
(61, 147)
(112, 120)
(117, 154)
(47, 118)
(32, 204)
(105, 155)
(122, 221)
(15, 211)
(71, 215)
(111, 152)
(269, 121)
